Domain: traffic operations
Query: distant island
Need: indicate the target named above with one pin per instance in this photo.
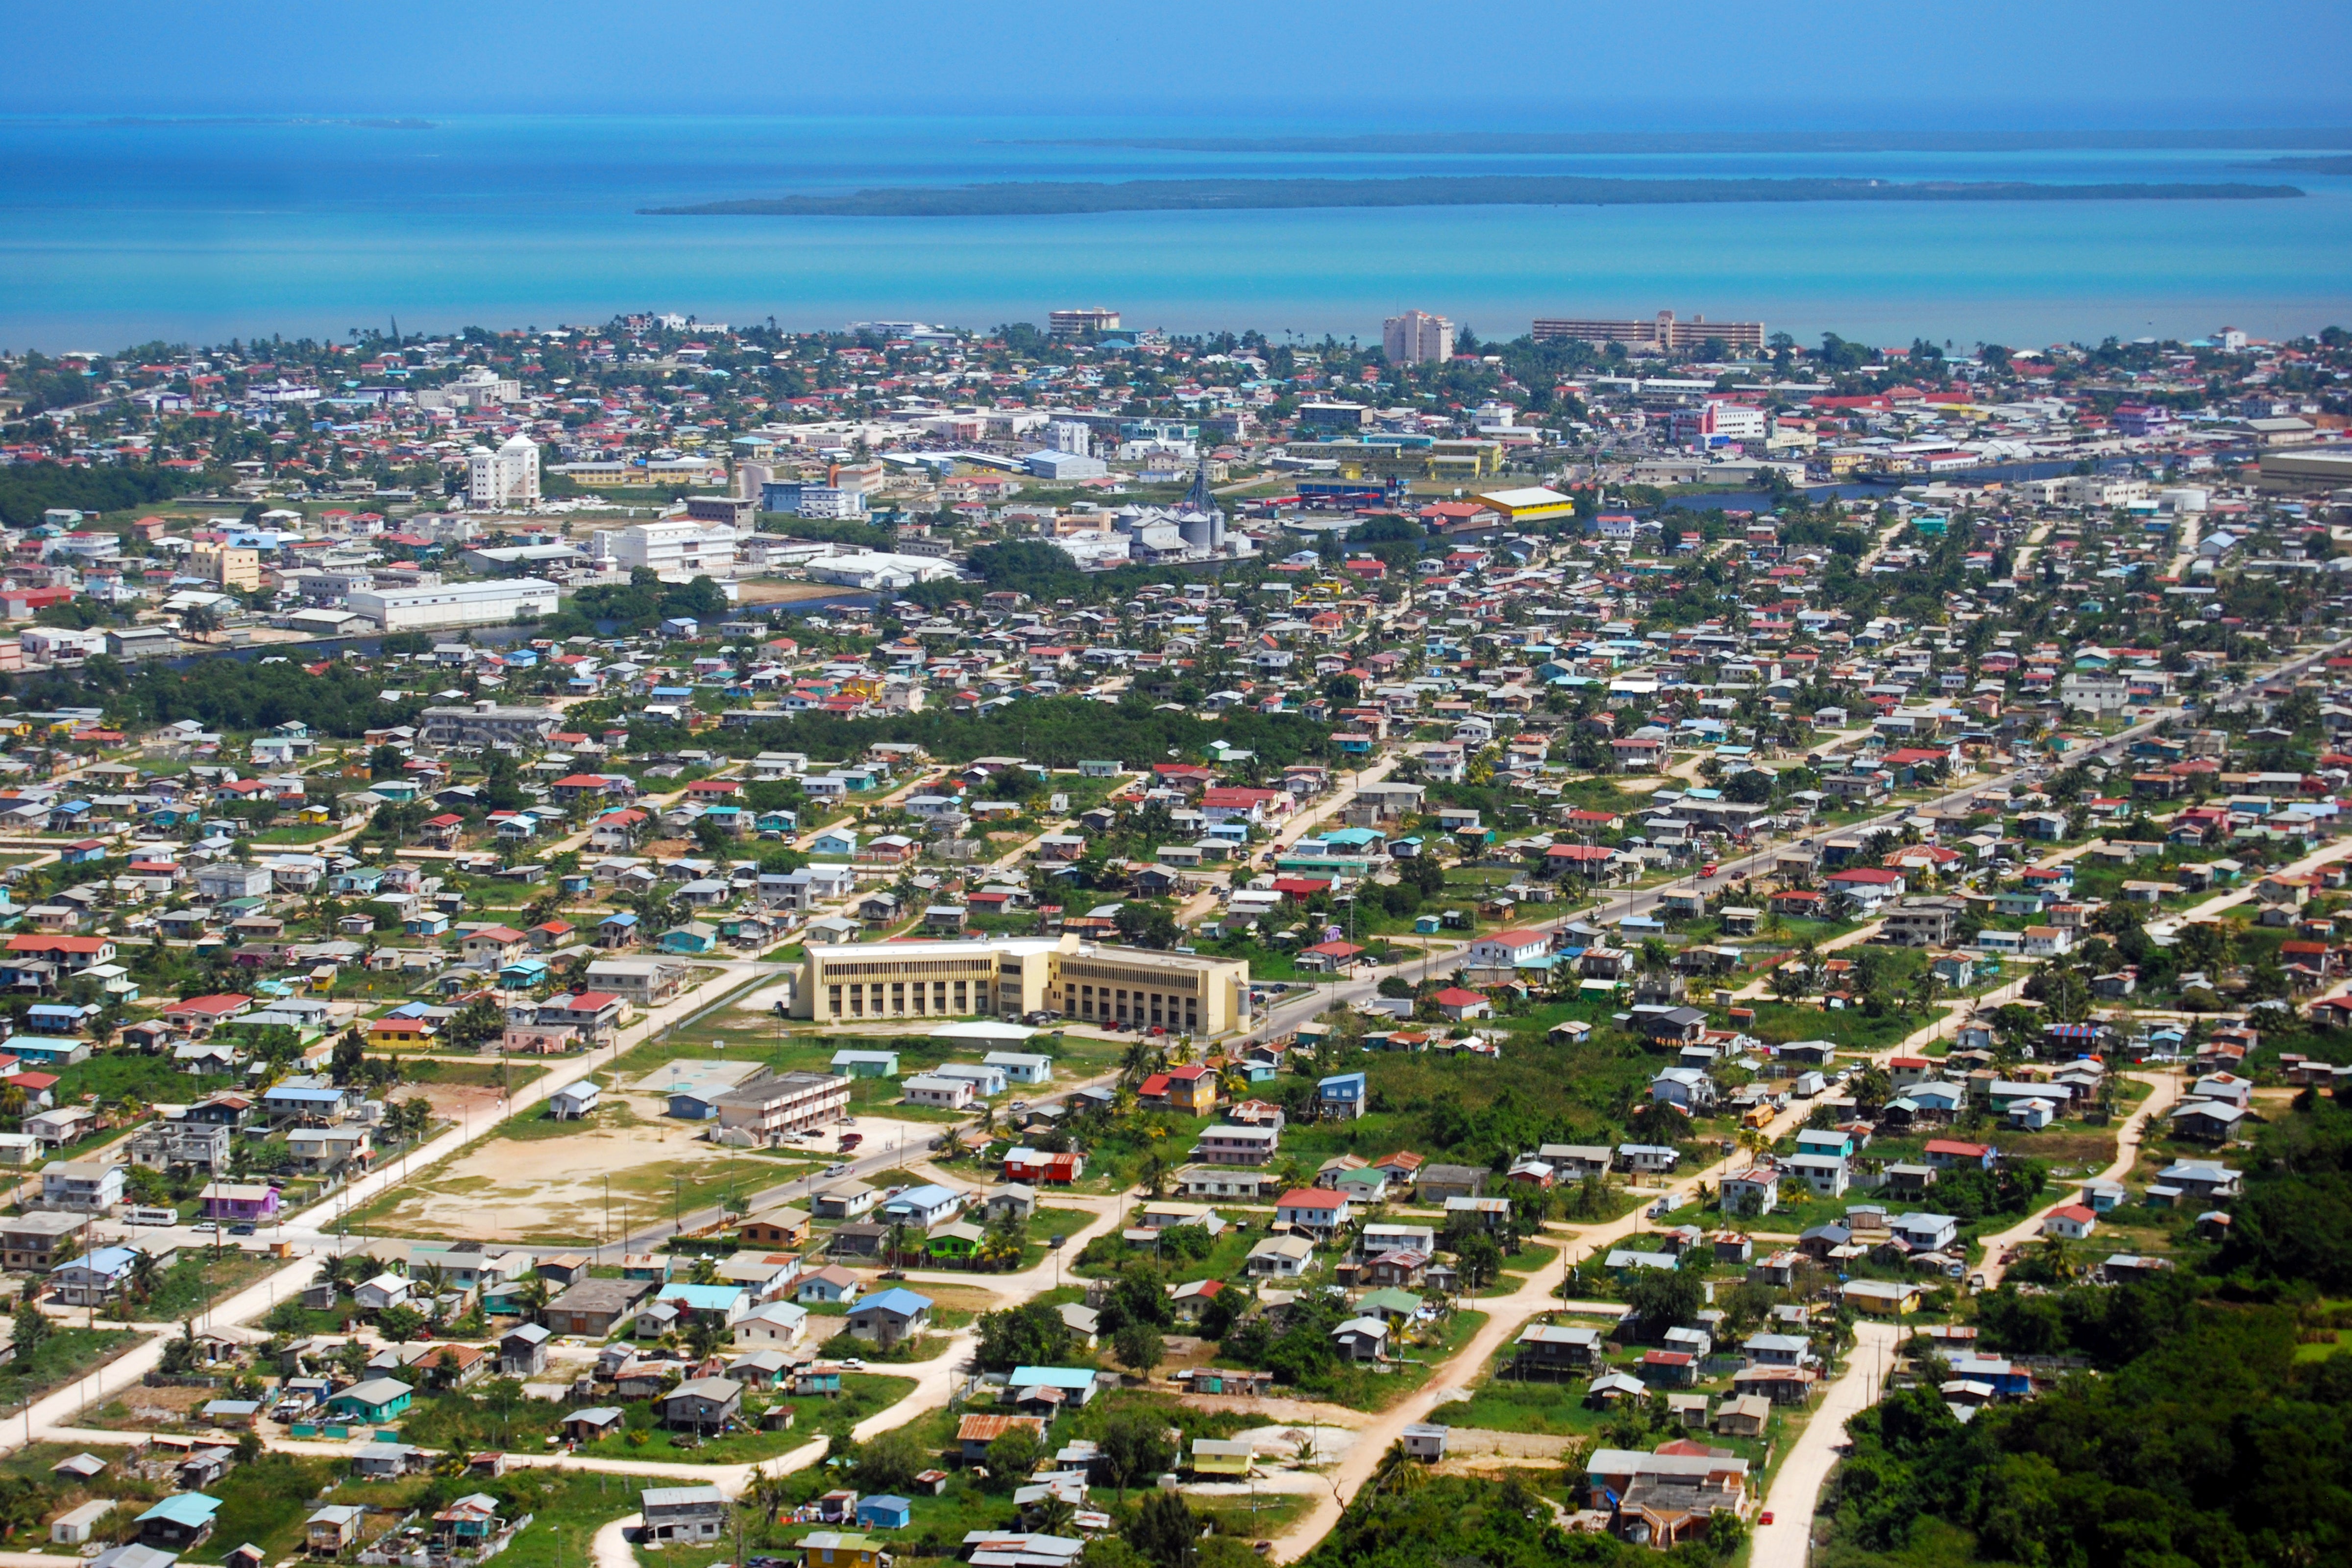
(1506, 143)
(2305, 166)
(1039, 198)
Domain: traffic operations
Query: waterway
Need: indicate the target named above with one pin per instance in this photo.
(116, 232)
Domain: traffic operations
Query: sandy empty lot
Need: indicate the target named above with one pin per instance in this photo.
(519, 1189)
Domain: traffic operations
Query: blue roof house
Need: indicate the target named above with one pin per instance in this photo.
(885, 1513)
(179, 1522)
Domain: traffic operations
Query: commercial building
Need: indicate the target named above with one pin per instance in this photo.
(453, 603)
(1417, 337)
(869, 569)
(676, 549)
(506, 478)
(1019, 975)
(1534, 504)
(485, 723)
(1662, 333)
(787, 1103)
(2305, 473)
(229, 566)
(835, 501)
(1078, 322)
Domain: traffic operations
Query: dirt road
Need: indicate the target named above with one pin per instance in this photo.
(1786, 1542)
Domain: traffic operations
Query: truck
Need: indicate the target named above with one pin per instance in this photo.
(850, 1140)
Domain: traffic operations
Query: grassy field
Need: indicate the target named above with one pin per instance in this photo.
(198, 1280)
(1850, 1029)
(67, 1354)
(488, 1073)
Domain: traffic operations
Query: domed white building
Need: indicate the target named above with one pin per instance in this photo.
(506, 478)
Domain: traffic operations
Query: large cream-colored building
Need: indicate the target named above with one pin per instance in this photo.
(1023, 974)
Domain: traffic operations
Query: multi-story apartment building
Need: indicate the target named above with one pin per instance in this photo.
(1024, 974)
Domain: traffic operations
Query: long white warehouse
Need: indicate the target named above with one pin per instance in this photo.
(453, 603)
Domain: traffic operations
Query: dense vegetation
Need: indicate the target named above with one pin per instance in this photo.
(342, 701)
(28, 489)
(2197, 1434)
(1057, 732)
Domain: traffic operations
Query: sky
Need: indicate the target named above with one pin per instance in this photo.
(1564, 64)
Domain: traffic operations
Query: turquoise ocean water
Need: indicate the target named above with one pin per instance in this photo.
(118, 231)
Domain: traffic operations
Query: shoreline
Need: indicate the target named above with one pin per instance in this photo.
(1043, 198)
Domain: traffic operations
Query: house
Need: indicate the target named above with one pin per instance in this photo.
(1361, 1338)
(333, 1529)
(924, 1206)
(701, 1403)
(589, 1426)
(522, 1351)
(683, 1513)
(890, 1317)
(1318, 1213)
(2070, 1222)
(1280, 1257)
(179, 1523)
(830, 1283)
(975, 1433)
(379, 1399)
(1554, 1350)
(593, 1307)
(775, 1324)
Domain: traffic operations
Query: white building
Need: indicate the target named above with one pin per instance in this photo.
(453, 603)
(869, 569)
(506, 478)
(676, 549)
(1417, 337)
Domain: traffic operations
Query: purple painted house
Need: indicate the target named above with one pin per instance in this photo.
(226, 1201)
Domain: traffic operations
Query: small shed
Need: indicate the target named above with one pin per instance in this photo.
(885, 1513)
(1425, 1440)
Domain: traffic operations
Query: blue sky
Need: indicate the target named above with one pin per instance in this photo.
(1368, 63)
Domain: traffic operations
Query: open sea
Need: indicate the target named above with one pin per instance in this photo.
(116, 231)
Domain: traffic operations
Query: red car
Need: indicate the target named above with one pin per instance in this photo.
(1766, 1518)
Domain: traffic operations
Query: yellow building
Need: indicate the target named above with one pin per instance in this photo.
(1524, 506)
(841, 1549)
(227, 565)
(1018, 975)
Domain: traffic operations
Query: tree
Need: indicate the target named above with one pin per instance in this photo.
(1138, 1348)
(1165, 1531)
(1134, 1446)
(1032, 1334)
(1479, 1258)
(399, 1324)
(31, 1327)
(1010, 1458)
(1665, 1299)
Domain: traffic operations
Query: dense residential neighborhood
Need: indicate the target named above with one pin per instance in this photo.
(952, 927)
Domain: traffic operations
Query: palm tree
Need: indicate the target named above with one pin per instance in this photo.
(432, 1282)
(143, 1275)
(531, 1296)
(1051, 1515)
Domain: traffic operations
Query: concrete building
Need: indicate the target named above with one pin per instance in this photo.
(507, 478)
(1078, 322)
(676, 549)
(1017, 975)
(227, 564)
(1417, 337)
(495, 604)
(485, 723)
(1662, 333)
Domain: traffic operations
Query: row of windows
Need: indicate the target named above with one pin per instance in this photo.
(900, 998)
(904, 968)
(1116, 1002)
